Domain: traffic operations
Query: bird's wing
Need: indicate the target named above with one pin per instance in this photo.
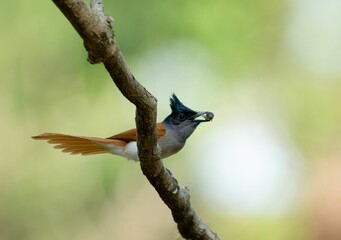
(131, 135)
(92, 145)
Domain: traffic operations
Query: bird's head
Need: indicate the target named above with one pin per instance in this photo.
(183, 119)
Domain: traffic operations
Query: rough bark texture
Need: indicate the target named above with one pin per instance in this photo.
(96, 30)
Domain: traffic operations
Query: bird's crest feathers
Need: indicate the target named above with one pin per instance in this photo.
(177, 106)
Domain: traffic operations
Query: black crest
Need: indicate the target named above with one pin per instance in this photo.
(177, 106)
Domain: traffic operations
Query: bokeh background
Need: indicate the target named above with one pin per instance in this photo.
(267, 167)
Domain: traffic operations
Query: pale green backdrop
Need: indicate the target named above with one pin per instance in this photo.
(269, 70)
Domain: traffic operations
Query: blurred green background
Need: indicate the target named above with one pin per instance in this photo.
(267, 167)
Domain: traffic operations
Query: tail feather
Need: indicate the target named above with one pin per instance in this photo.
(80, 145)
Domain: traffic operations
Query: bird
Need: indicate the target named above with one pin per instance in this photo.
(172, 134)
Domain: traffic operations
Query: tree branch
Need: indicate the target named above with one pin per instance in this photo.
(96, 31)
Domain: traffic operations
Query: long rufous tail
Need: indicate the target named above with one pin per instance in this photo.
(78, 144)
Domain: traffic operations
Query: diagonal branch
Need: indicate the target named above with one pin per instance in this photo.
(96, 31)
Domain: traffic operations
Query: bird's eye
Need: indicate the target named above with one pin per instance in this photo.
(181, 116)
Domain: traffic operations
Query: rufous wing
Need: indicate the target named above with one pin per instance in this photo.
(92, 145)
(131, 135)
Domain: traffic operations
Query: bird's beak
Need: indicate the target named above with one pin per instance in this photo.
(202, 117)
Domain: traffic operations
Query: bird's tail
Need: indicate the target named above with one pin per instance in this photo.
(80, 145)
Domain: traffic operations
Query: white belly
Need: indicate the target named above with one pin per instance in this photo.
(129, 151)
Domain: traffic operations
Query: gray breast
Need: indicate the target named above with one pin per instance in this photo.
(170, 144)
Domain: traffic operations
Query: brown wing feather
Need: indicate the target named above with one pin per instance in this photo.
(91, 145)
(131, 135)
(126, 136)
(78, 144)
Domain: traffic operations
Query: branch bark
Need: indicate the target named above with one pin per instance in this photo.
(96, 31)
